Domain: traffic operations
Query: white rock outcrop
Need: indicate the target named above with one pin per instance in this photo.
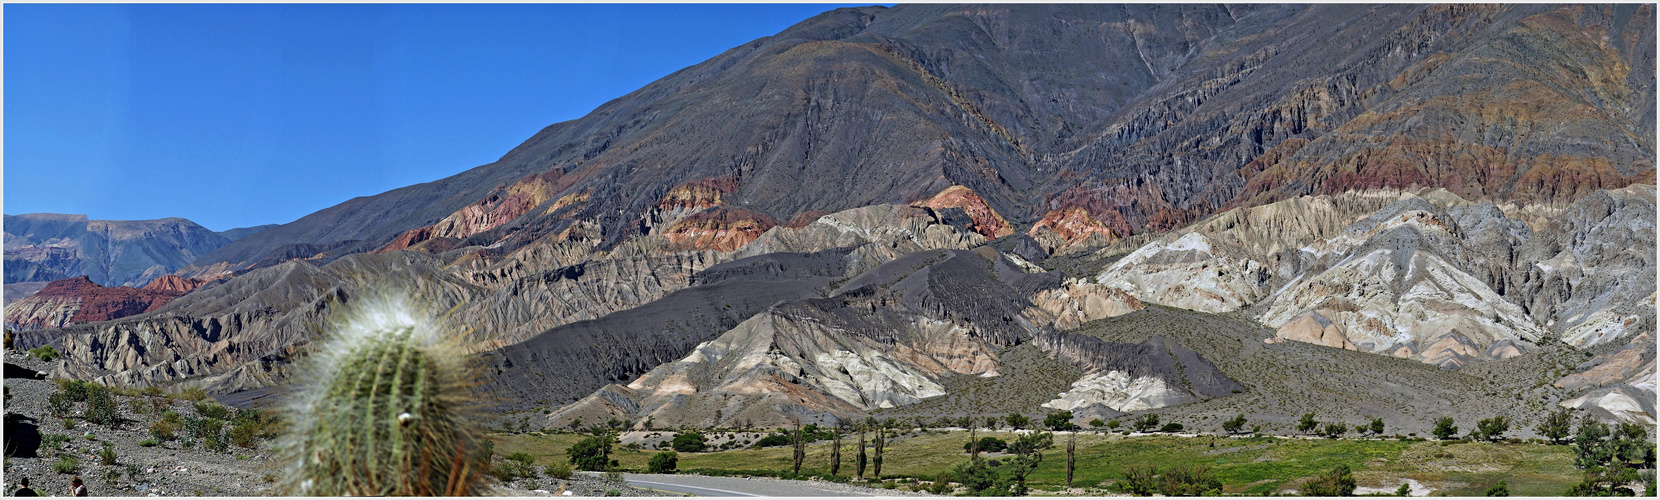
(1188, 272)
(1117, 390)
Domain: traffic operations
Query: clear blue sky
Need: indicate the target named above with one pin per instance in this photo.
(240, 115)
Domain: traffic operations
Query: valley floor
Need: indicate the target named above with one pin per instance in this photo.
(1245, 465)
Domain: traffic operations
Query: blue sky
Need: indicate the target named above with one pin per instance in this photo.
(239, 115)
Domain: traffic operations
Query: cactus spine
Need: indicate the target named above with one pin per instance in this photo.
(383, 408)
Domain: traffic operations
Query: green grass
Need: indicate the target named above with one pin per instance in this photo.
(1248, 466)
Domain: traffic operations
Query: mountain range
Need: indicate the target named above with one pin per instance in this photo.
(964, 209)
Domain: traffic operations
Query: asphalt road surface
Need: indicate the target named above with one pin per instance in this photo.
(708, 486)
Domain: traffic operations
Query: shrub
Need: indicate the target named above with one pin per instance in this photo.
(148, 442)
(77, 390)
(1171, 427)
(212, 409)
(215, 442)
(68, 423)
(66, 465)
(1499, 490)
(976, 475)
(1340, 482)
(688, 442)
(988, 444)
(1335, 430)
(942, 484)
(1147, 423)
(259, 424)
(59, 404)
(193, 394)
(164, 430)
(243, 434)
(1137, 481)
(1307, 424)
(1112, 424)
(521, 457)
(107, 455)
(663, 463)
(1444, 428)
(592, 453)
(1493, 429)
(101, 407)
(45, 353)
(1059, 421)
(1017, 421)
(1185, 481)
(1097, 423)
(1233, 425)
(559, 470)
(508, 470)
(54, 442)
(772, 440)
(200, 428)
(1557, 426)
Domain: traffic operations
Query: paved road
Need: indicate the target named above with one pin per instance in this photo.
(708, 486)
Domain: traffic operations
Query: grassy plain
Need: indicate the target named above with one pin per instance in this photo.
(1248, 466)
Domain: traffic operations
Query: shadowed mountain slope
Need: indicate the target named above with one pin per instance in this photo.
(1091, 122)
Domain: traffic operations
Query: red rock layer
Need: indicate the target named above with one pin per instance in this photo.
(722, 229)
(987, 222)
(1079, 214)
(505, 203)
(100, 303)
(407, 239)
(1076, 223)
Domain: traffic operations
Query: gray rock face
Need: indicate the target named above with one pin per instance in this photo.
(1391, 286)
(48, 247)
(882, 339)
(257, 320)
(1130, 377)
(1590, 265)
(1435, 278)
(1430, 277)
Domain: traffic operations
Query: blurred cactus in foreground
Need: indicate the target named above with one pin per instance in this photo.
(384, 407)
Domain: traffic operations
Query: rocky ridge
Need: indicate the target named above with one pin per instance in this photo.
(49, 247)
(240, 336)
(1430, 277)
(883, 339)
(1188, 111)
(79, 300)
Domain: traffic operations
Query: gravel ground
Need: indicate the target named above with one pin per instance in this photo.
(774, 487)
(164, 470)
(581, 484)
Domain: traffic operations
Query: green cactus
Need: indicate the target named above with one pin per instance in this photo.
(384, 408)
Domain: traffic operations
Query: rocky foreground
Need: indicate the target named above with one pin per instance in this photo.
(167, 468)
